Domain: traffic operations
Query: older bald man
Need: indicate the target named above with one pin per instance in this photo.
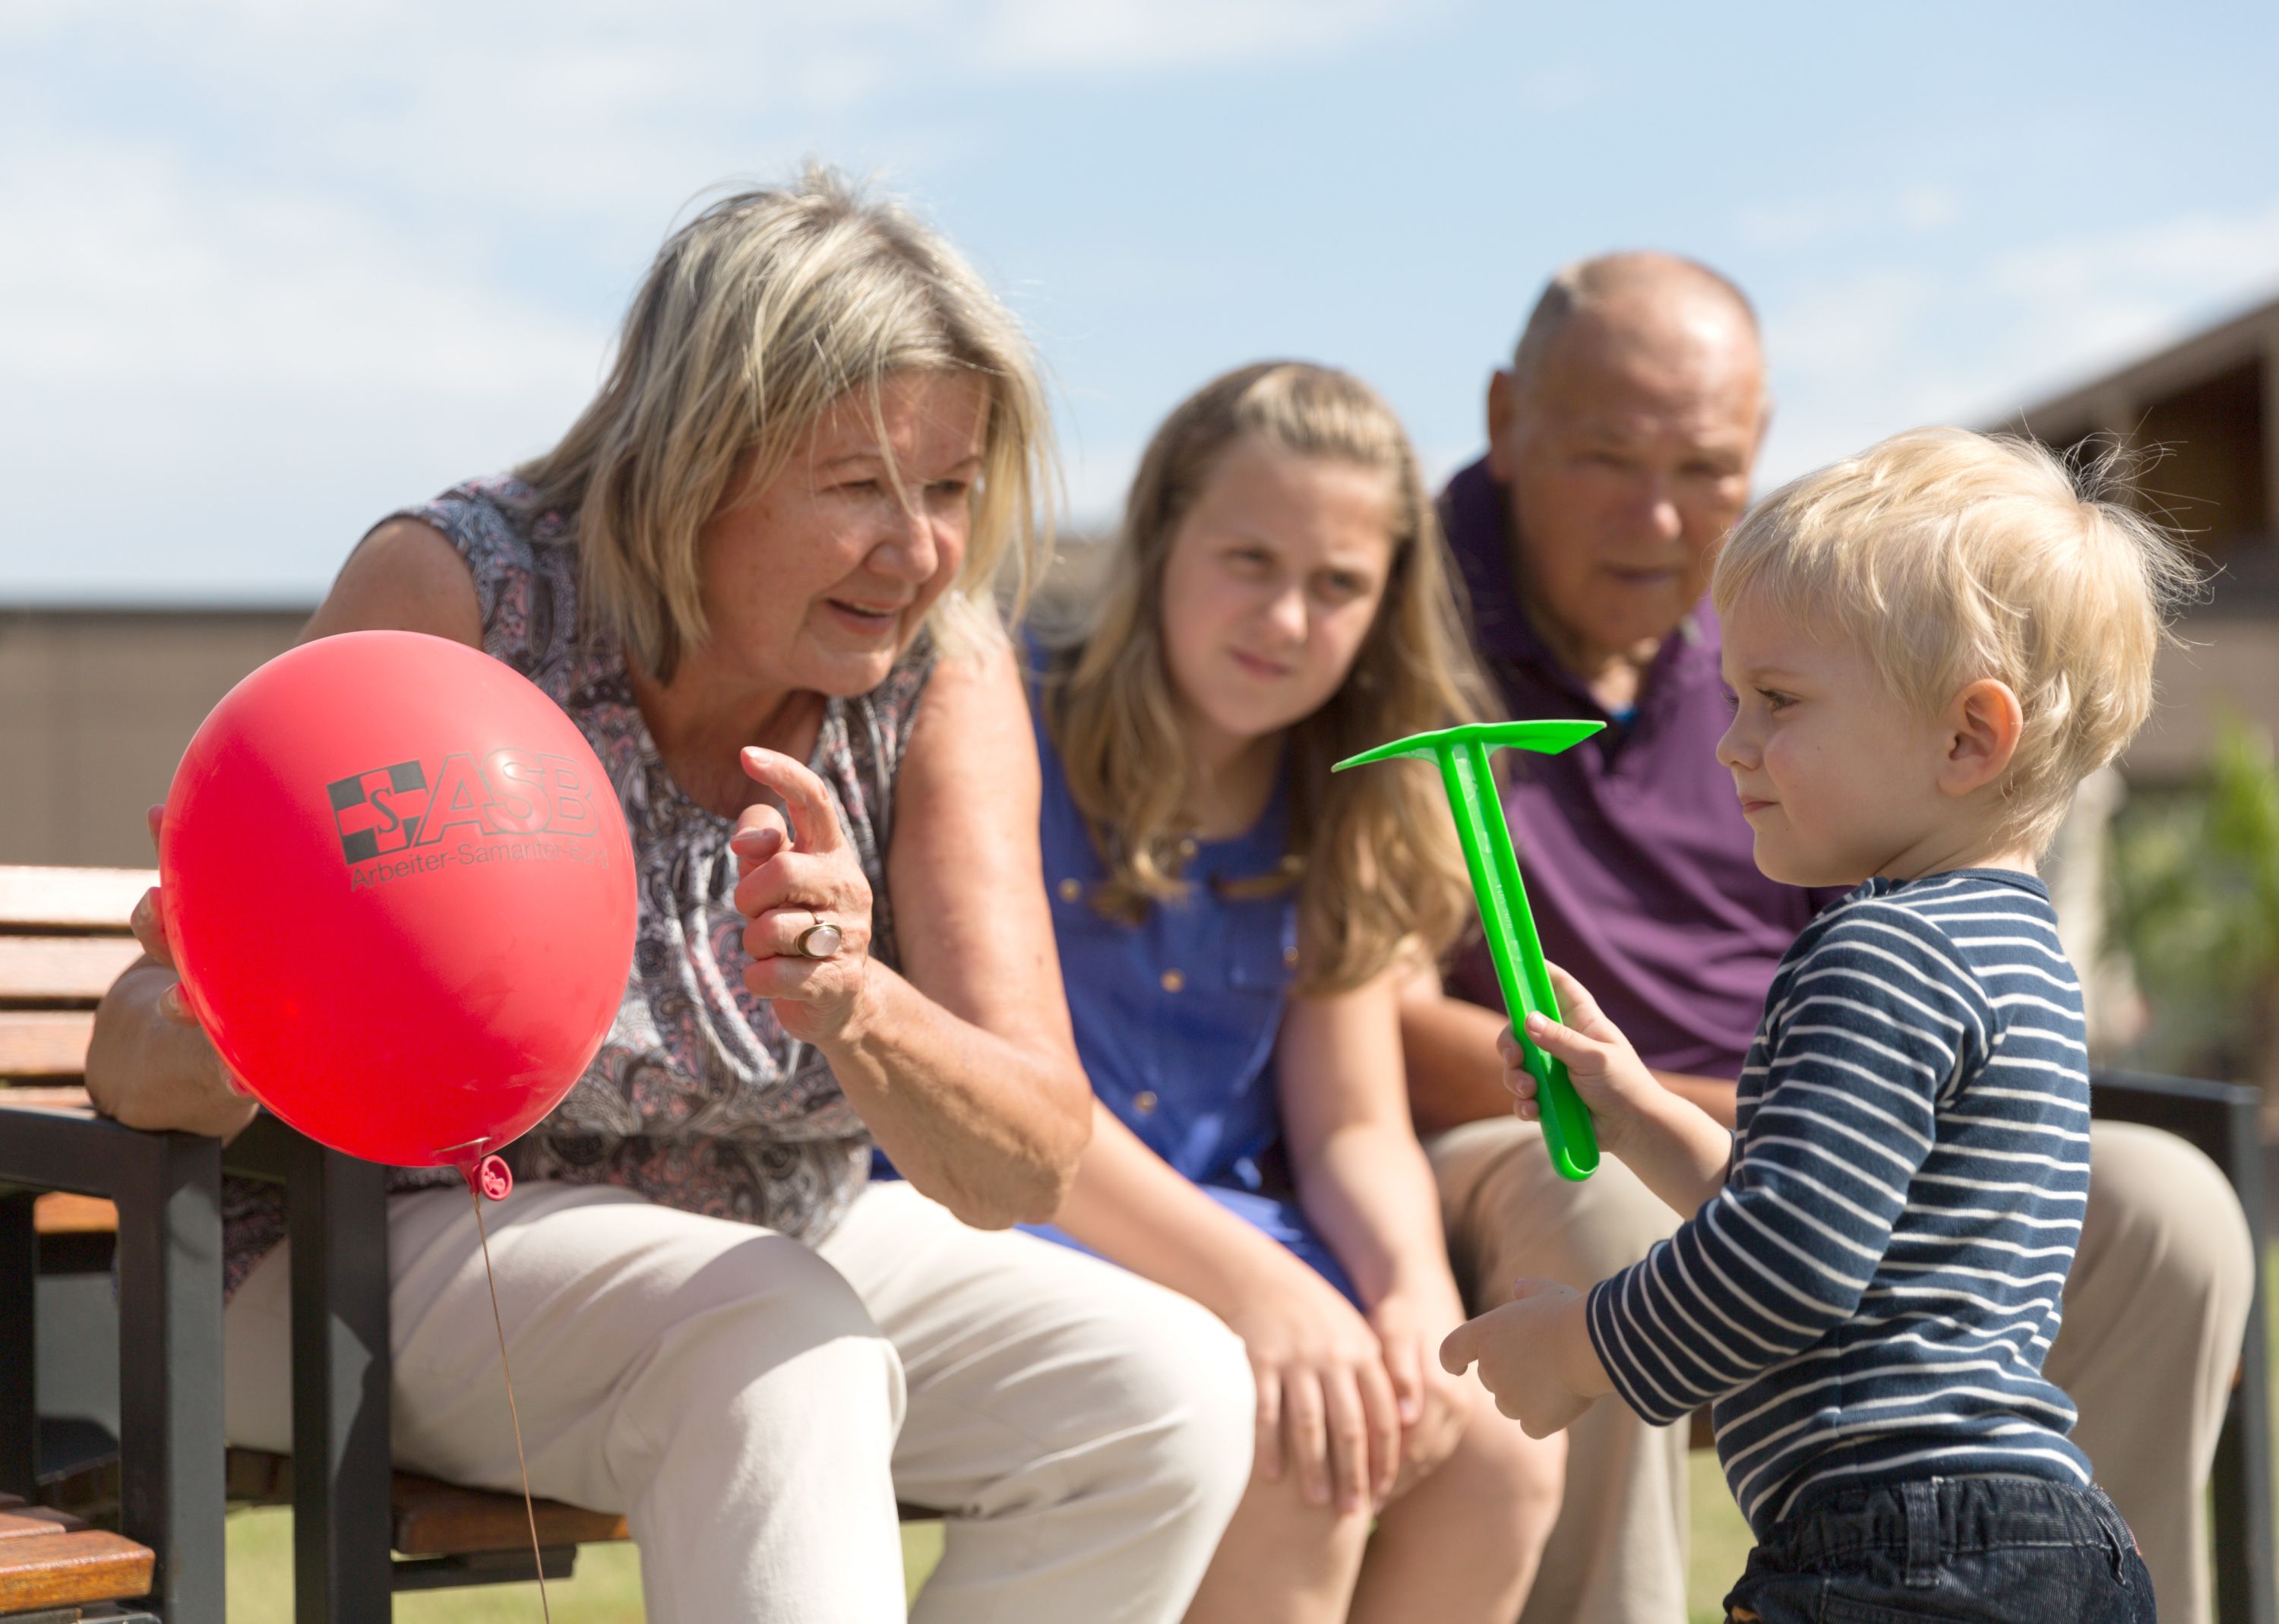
(1620, 442)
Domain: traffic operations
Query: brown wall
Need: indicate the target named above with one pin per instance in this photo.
(95, 707)
(2229, 664)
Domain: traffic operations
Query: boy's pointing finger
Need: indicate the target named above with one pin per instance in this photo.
(1460, 1347)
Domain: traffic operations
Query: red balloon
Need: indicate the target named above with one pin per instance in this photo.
(400, 893)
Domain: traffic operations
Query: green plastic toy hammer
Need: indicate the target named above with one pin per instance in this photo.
(1462, 752)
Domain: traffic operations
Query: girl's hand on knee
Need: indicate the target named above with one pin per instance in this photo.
(1434, 1408)
(1607, 1072)
(1326, 1409)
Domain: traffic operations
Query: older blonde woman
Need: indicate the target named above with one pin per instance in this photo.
(758, 568)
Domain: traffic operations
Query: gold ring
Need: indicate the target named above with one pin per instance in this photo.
(819, 940)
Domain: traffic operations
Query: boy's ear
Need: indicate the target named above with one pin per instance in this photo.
(1983, 725)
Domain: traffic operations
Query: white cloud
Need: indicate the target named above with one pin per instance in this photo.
(2097, 297)
(1048, 35)
(1861, 325)
(1928, 208)
(1916, 210)
(210, 392)
(1874, 350)
(596, 59)
(274, 267)
(120, 272)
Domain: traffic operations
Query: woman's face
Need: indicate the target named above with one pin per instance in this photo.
(1272, 580)
(819, 580)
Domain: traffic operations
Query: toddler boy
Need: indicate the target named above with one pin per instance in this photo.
(1929, 645)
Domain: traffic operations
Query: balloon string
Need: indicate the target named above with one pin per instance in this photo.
(530, 1510)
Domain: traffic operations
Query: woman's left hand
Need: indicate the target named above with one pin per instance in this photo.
(791, 880)
(1433, 1403)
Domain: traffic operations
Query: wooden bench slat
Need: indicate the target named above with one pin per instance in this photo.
(437, 1519)
(51, 967)
(44, 1043)
(60, 1212)
(256, 1475)
(37, 1520)
(58, 1569)
(73, 898)
(40, 1097)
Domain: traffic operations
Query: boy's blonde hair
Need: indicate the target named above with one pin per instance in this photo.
(1373, 853)
(1948, 557)
(755, 319)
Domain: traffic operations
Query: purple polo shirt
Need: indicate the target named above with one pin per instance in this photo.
(1633, 848)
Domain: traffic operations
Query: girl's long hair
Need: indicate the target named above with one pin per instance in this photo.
(1373, 852)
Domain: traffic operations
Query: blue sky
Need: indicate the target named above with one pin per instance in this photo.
(270, 269)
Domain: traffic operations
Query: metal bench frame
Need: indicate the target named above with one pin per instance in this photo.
(336, 1226)
(2220, 1119)
(167, 1187)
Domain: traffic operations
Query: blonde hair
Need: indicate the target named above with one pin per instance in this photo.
(753, 319)
(1374, 853)
(1950, 558)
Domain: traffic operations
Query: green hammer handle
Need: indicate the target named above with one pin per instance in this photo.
(1509, 927)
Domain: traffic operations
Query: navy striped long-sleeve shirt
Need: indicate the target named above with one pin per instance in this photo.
(1870, 1296)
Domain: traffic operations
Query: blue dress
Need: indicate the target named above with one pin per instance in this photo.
(1176, 1018)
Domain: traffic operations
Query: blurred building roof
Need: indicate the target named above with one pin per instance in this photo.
(2199, 421)
(2198, 424)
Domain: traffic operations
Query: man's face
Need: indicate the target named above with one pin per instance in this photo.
(1628, 457)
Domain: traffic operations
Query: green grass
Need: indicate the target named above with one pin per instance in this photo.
(607, 1587)
(605, 1590)
(1718, 1544)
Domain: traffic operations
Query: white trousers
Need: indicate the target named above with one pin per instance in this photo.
(755, 1408)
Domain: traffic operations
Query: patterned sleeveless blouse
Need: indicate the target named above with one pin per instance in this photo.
(698, 1100)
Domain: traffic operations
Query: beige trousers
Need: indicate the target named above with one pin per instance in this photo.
(1617, 1553)
(2154, 1312)
(2154, 1309)
(755, 1408)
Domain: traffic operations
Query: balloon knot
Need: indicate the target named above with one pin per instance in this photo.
(490, 1178)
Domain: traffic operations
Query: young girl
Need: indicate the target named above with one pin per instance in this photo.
(1228, 918)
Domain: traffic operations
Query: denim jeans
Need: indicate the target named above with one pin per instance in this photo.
(2012, 1550)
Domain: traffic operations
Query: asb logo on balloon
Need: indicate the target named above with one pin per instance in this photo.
(467, 812)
